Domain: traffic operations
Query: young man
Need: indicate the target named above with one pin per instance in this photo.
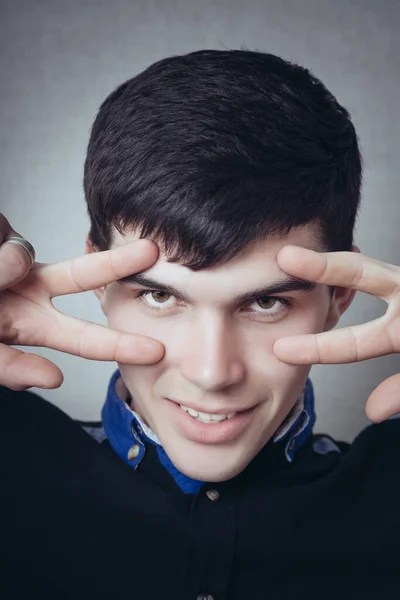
(204, 479)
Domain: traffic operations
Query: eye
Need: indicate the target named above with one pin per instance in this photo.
(266, 303)
(159, 297)
(267, 308)
(270, 307)
(156, 300)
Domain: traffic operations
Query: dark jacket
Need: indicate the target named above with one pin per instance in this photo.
(77, 522)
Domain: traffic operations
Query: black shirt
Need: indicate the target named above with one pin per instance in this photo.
(77, 522)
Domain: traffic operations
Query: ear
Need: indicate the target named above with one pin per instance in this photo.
(89, 249)
(341, 299)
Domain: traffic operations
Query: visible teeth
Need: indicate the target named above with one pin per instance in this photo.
(206, 417)
(218, 418)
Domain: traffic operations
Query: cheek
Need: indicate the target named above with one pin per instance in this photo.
(270, 371)
(124, 313)
(307, 320)
(266, 367)
(139, 379)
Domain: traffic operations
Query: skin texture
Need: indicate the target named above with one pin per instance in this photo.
(218, 354)
(29, 318)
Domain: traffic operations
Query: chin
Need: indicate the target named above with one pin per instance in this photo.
(211, 470)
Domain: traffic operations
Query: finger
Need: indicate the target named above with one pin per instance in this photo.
(344, 269)
(384, 402)
(14, 261)
(347, 345)
(98, 342)
(97, 269)
(20, 370)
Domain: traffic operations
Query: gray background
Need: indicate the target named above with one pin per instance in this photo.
(58, 61)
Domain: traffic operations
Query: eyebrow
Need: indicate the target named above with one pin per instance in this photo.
(290, 284)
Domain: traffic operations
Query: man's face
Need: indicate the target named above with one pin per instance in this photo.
(219, 393)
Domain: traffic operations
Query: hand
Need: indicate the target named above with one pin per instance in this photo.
(350, 344)
(28, 317)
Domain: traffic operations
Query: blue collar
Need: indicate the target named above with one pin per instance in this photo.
(128, 434)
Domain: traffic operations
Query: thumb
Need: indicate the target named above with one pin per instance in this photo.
(384, 402)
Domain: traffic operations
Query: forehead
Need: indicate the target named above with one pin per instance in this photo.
(254, 267)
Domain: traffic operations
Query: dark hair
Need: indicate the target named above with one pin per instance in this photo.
(212, 150)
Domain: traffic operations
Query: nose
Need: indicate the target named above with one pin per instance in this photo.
(211, 359)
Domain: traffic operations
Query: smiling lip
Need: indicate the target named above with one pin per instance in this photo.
(218, 411)
(210, 433)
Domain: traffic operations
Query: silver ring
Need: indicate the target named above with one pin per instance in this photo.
(27, 246)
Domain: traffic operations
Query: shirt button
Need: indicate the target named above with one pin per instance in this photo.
(291, 445)
(212, 495)
(133, 452)
(205, 597)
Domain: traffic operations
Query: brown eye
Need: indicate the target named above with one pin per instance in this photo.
(266, 303)
(160, 297)
(157, 300)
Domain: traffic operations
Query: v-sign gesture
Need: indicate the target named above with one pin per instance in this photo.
(350, 344)
(28, 317)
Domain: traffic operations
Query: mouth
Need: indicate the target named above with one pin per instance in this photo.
(203, 417)
(209, 428)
